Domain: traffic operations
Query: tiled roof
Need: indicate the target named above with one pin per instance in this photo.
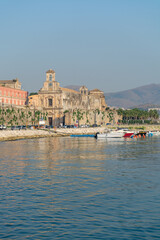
(69, 90)
(7, 81)
(96, 90)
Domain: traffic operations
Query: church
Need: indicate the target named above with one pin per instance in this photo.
(57, 101)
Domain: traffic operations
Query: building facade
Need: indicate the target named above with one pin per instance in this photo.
(50, 99)
(56, 100)
(11, 93)
(33, 101)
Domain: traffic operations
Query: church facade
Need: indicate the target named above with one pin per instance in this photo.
(61, 103)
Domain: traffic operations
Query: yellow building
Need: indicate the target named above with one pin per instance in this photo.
(33, 101)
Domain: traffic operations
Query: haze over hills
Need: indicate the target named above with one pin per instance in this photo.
(143, 97)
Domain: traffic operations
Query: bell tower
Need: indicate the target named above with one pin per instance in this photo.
(50, 75)
(50, 84)
(50, 96)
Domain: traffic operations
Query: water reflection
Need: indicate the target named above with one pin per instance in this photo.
(56, 153)
(81, 187)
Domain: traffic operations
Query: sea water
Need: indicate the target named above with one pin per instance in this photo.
(80, 188)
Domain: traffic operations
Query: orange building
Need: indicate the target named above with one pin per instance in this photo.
(11, 94)
(33, 100)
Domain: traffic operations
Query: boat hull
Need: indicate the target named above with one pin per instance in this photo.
(128, 135)
(110, 135)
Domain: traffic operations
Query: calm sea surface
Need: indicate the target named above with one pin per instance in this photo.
(80, 188)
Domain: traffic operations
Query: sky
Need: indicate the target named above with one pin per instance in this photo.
(112, 45)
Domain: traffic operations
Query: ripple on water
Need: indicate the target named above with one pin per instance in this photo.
(80, 188)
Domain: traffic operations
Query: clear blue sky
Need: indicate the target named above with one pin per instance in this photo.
(112, 45)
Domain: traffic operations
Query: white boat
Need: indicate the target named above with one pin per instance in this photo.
(119, 133)
(111, 134)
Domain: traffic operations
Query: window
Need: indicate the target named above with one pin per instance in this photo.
(50, 102)
(50, 84)
(50, 77)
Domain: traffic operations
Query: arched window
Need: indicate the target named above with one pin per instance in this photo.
(50, 102)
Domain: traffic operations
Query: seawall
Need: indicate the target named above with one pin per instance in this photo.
(10, 135)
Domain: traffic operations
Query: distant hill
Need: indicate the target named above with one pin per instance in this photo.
(145, 95)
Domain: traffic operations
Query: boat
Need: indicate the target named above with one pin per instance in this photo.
(119, 133)
(140, 134)
(128, 134)
(110, 134)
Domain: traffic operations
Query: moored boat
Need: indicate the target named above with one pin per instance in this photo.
(140, 134)
(119, 133)
(110, 134)
(128, 134)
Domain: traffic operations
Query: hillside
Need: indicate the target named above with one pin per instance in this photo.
(145, 95)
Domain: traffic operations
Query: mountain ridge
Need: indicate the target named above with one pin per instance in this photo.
(147, 94)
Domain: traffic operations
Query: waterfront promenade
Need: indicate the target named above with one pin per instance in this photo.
(8, 135)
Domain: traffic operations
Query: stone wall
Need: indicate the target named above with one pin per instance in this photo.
(86, 101)
(90, 117)
(12, 116)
